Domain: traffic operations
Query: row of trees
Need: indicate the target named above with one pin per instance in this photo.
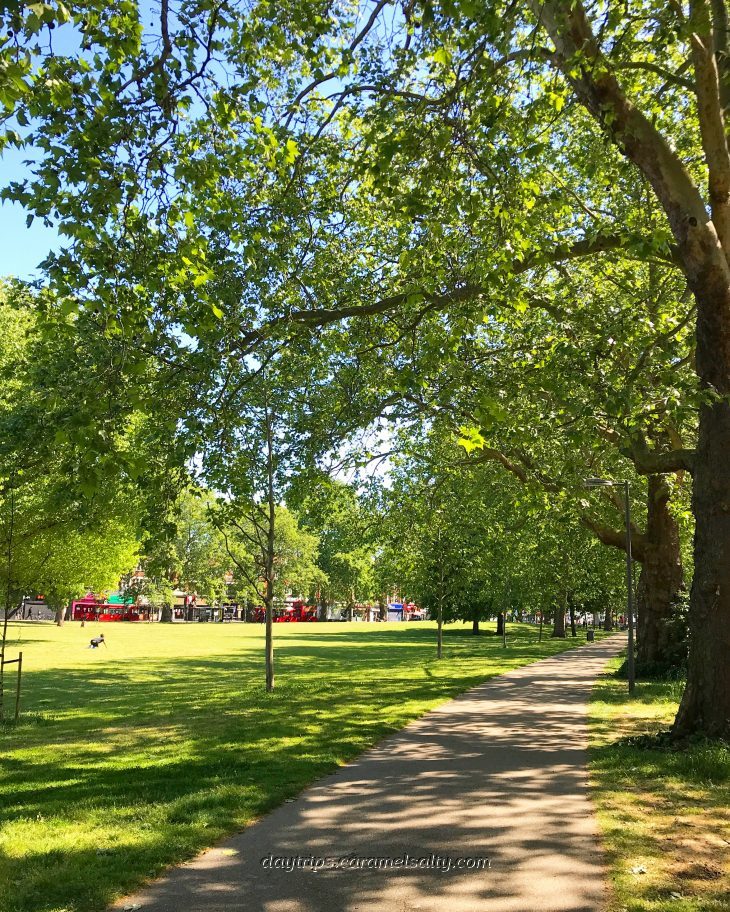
(449, 533)
(505, 222)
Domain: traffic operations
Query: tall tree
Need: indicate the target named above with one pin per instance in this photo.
(482, 144)
(249, 476)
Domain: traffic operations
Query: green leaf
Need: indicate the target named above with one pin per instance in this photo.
(471, 439)
(442, 56)
(292, 151)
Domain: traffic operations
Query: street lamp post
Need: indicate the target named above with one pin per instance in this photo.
(607, 483)
(440, 609)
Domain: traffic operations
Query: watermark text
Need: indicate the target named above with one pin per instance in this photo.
(352, 862)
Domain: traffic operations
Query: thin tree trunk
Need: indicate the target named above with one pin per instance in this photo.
(440, 610)
(3, 644)
(440, 632)
(269, 610)
(571, 608)
(8, 590)
(270, 553)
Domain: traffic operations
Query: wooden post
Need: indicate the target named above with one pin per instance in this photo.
(17, 693)
(3, 664)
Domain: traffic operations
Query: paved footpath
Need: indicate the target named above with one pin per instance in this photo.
(499, 772)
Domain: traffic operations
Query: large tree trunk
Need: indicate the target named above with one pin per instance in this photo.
(658, 551)
(500, 624)
(475, 627)
(608, 619)
(705, 705)
(660, 582)
(383, 607)
(559, 623)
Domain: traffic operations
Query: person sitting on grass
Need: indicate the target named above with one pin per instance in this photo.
(97, 641)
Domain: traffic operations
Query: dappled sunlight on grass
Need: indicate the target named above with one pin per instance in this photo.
(158, 745)
(663, 812)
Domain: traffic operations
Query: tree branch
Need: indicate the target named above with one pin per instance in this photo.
(359, 38)
(615, 538)
(157, 65)
(323, 317)
(604, 534)
(712, 126)
(488, 454)
(721, 47)
(594, 81)
(672, 78)
(252, 580)
(653, 462)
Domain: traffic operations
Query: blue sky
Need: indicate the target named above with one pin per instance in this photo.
(21, 248)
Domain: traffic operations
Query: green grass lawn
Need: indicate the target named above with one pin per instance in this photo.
(664, 813)
(138, 755)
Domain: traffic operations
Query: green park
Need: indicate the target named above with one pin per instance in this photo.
(364, 456)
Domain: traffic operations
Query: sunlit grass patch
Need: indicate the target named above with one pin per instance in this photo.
(147, 751)
(664, 812)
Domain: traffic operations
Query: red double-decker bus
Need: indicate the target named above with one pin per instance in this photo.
(91, 608)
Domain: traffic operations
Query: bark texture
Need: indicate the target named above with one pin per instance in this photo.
(705, 705)
(660, 582)
(559, 624)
